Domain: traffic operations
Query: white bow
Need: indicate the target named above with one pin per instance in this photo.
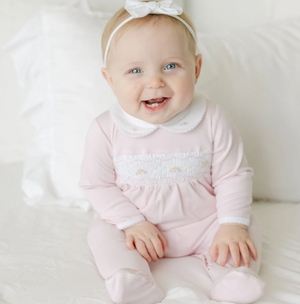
(139, 9)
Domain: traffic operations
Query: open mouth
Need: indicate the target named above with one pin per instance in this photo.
(153, 103)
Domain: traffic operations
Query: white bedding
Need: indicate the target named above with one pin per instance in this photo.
(44, 256)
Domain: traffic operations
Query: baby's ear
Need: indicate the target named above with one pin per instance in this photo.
(198, 65)
(107, 77)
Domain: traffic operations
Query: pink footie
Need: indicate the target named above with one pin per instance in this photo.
(129, 286)
(238, 285)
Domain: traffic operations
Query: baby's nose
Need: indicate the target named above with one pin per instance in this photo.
(155, 82)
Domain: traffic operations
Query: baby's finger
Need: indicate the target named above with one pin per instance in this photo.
(141, 248)
(163, 241)
(245, 253)
(129, 242)
(213, 251)
(235, 253)
(158, 247)
(253, 249)
(223, 253)
(151, 250)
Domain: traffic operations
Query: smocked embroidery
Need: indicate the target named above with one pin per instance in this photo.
(151, 169)
(205, 163)
(140, 171)
(175, 169)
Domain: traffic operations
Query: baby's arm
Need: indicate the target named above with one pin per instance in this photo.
(231, 179)
(98, 180)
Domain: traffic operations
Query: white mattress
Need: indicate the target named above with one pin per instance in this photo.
(44, 256)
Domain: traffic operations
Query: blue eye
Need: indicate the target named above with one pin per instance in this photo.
(135, 71)
(171, 66)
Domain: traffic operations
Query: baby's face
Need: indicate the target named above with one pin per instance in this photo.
(153, 65)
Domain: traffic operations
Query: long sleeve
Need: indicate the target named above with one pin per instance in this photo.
(98, 180)
(231, 174)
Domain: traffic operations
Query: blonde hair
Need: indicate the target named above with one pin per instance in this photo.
(123, 14)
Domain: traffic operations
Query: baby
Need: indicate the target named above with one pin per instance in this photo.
(165, 168)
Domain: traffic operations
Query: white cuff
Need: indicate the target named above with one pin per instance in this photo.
(130, 222)
(239, 220)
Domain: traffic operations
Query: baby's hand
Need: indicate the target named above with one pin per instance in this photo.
(235, 238)
(146, 239)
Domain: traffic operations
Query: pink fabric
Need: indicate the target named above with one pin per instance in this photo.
(122, 284)
(224, 187)
(238, 285)
(123, 276)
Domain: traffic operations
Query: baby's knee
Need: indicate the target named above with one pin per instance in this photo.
(103, 232)
(130, 286)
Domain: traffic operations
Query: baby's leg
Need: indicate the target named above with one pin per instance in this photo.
(127, 275)
(241, 284)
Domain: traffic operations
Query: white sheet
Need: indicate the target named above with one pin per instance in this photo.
(44, 256)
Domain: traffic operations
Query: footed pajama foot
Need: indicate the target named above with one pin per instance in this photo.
(238, 285)
(129, 286)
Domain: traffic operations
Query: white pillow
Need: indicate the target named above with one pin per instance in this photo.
(254, 74)
(58, 55)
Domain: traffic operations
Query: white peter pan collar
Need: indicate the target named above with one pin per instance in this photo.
(183, 122)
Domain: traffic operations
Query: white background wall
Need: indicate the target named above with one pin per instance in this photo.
(218, 15)
(208, 15)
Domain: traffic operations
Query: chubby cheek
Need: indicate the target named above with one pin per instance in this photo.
(185, 86)
(128, 95)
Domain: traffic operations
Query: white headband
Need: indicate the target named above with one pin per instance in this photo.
(139, 9)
